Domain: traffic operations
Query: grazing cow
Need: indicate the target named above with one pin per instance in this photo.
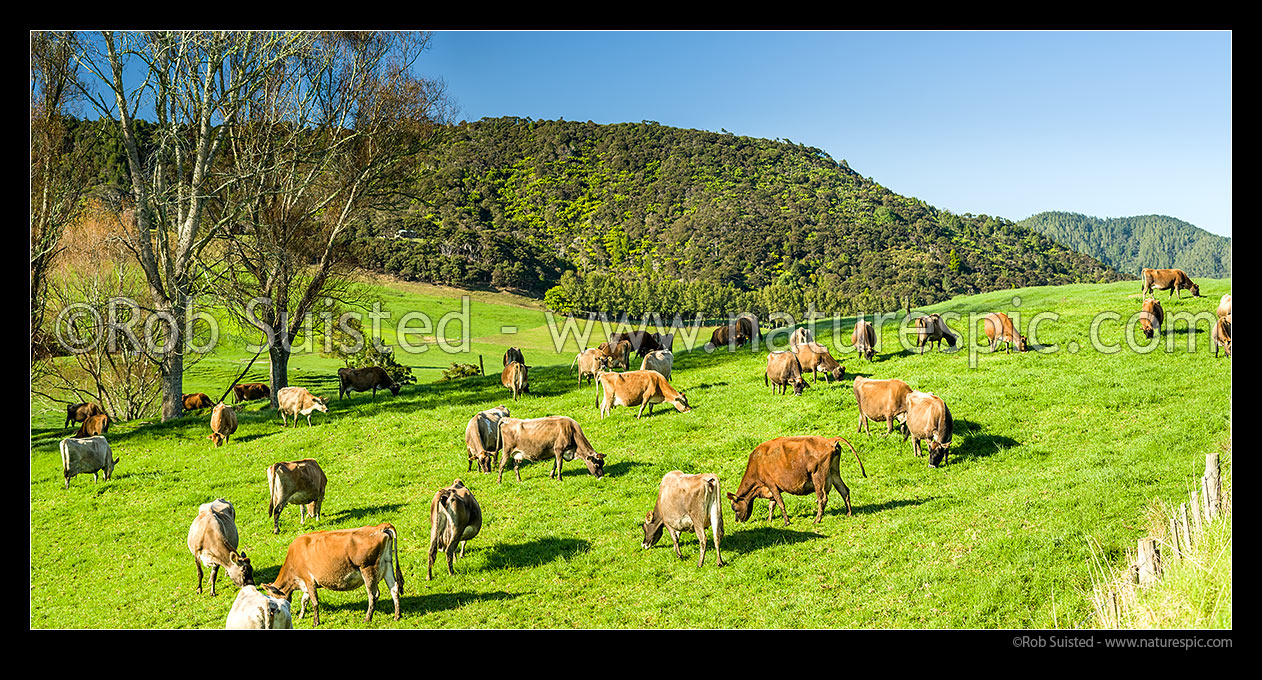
(223, 422)
(300, 482)
(799, 337)
(730, 333)
(297, 401)
(783, 369)
(589, 362)
(212, 538)
(999, 329)
(1151, 316)
(454, 517)
(927, 417)
(619, 353)
(1172, 279)
(813, 356)
(1224, 305)
(880, 400)
(250, 392)
(638, 388)
(864, 339)
(93, 426)
(1222, 336)
(513, 354)
(363, 379)
(481, 437)
(536, 439)
(748, 325)
(516, 377)
(77, 413)
(662, 361)
(195, 401)
(687, 502)
(642, 342)
(342, 560)
(263, 608)
(81, 456)
(666, 342)
(934, 329)
(795, 465)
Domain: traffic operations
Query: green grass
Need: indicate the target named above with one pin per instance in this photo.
(1050, 449)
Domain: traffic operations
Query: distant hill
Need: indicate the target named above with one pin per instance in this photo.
(1131, 243)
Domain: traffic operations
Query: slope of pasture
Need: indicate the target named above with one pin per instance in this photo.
(1051, 450)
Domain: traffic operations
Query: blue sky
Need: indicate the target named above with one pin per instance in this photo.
(1109, 124)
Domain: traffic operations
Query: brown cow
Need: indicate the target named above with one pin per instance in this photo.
(799, 337)
(1173, 279)
(795, 465)
(513, 354)
(661, 360)
(813, 356)
(97, 424)
(642, 342)
(197, 400)
(363, 379)
(748, 325)
(1222, 337)
(880, 400)
(1224, 305)
(999, 329)
(454, 518)
(1151, 316)
(212, 538)
(783, 369)
(638, 388)
(300, 482)
(516, 377)
(223, 422)
(481, 437)
(589, 362)
(723, 335)
(250, 392)
(536, 439)
(77, 413)
(934, 329)
(864, 339)
(687, 502)
(927, 417)
(342, 560)
(297, 401)
(619, 353)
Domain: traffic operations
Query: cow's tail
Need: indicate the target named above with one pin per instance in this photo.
(714, 504)
(273, 490)
(946, 424)
(856, 455)
(394, 555)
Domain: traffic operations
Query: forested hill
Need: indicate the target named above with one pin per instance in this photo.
(1131, 243)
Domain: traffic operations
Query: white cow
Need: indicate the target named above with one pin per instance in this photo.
(88, 455)
(262, 608)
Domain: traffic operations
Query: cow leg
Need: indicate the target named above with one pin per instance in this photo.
(503, 462)
(861, 419)
(674, 537)
(214, 576)
(451, 558)
(302, 513)
(784, 509)
(276, 517)
(559, 463)
(433, 552)
(198, 563)
(308, 420)
(915, 446)
(837, 483)
(889, 425)
(517, 469)
(315, 605)
(462, 544)
(699, 526)
(370, 584)
(641, 411)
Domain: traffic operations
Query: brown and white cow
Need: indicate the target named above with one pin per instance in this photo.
(1222, 335)
(197, 400)
(212, 538)
(661, 360)
(223, 423)
(259, 608)
(454, 518)
(250, 392)
(513, 354)
(798, 338)
(687, 502)
(1151, 316)
(813, 357)
(1224, 305)
(300, 482)
(297, 401)
(77, 413)
(482, 437)
(637, 388)
(783, 369)
(928, 418)
(933, 329)
(95, 425)
(88, 455)
(590, 362)
(619, 353)
(342, 560)
(864, 339)
(516, 377)
(999, 328)
(553, 437)
(1173, 279)
(793, 465)
(880, 400)
(364, 379)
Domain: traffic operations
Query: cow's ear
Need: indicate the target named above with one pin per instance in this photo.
(731, 495)
(232, 556)
(648, 517)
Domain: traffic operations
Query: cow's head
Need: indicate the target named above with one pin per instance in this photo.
(652, 531)
(838, 372)
(239, 569)
(394, 389)
(596, 464)
(799, 384)
(214, 437)
(485, 460)
(741, 506)
(681, 403)
(272, 591)
(937, 453)
(869, 352)
(1023, 345)
(1196, 290)
(111, 462)
(317, 404)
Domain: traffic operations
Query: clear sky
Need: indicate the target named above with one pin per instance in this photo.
(1104, 123)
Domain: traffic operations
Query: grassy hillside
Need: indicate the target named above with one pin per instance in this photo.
(1050, 449)
(1128, 244)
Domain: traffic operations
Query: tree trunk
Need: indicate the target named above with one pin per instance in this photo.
(279, 357)
(172, 362)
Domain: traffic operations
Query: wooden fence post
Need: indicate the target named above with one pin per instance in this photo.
(1194, 505)
(1185, 528)
(481, 368)
(1213, 485)
(1175, 546)
(1148, 561)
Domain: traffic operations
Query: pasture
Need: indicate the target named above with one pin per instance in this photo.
(1050, 450)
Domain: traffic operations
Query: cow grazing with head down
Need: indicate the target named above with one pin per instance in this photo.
(813, 357)
(642, 342)
(260, 608)
(933, 328)
(364, 379)
(864, 339)
(731, 334)
(93, 426)
(619, 353)
(793, 465)
(553, 437)
(927, 417)
(342, 560)
(300, 482)
(1173, 279)
(212, 538)
(250, 392)
(661, 360)
(638, 388)
(88, 455)
(1151, 316)
(687, 502)
(454, 518)
(77, 413)
(748, 326)
(223, 423)
(1222, 335)
(999, 329)
(295, 401)
(516, 378)
(1224, 305)
(197, 400)
(783, 370)
(481, 437)
(880, 400)
(590, 362)
(513, 354)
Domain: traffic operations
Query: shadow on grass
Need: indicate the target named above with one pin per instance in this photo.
(370, 511)
(748, 540)
(534, 553)
(624, 466)
(872, 508)
(976, 442)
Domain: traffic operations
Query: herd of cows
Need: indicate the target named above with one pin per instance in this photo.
(368, 556)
